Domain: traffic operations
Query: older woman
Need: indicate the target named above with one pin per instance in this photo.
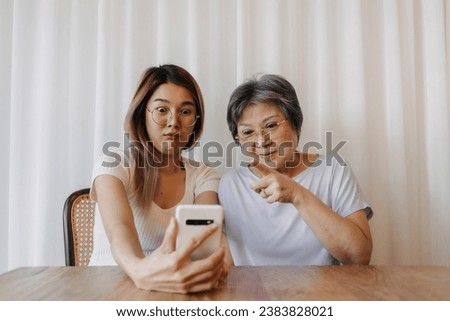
(288, 207)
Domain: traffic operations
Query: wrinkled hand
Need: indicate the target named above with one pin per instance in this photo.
(169, 269)
(274, 186)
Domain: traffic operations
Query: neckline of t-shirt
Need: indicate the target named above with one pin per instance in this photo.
(186, 180)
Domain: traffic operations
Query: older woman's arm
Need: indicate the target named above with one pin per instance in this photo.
(348, 239)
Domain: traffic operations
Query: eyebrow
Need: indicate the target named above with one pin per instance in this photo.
(263, 121)
(184, 103)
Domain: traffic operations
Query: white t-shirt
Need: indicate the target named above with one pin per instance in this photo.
(275, 234)
(150, 225)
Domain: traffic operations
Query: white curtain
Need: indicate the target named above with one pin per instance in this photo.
(374, 73)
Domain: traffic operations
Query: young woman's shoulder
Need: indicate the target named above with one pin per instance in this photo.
(113, 162)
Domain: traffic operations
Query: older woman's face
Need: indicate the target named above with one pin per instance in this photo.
(170, 118)
(264, 133)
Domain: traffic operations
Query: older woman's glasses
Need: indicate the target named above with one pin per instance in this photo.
(248, 134)
(162, 115)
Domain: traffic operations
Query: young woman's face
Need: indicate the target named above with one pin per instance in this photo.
(264, 133)
(170, 118)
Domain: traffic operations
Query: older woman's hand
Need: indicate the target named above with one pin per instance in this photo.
(274, 186)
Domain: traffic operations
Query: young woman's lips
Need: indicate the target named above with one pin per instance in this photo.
(171, 135)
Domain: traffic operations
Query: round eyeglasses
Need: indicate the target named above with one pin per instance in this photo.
(162, 115)
(248, 134)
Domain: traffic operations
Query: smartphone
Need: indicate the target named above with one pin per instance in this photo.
(191, 218)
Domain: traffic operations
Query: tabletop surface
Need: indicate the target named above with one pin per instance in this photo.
(280, 283)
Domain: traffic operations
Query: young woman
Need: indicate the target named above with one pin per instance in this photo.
(134, 224)
(288, 208)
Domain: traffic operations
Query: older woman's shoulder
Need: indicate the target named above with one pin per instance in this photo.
(238, 174)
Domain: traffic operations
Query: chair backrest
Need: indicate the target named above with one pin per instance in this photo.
(78, 220)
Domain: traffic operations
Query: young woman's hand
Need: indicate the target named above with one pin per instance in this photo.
(172, 270)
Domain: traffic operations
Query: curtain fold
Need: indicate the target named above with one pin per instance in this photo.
(6, 34)
(374, 74)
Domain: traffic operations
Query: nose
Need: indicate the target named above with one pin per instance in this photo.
(173, 121)
(262, 139)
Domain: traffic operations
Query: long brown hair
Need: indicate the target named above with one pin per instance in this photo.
(144, 157)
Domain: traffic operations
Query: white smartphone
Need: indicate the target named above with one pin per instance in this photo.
(191, 218)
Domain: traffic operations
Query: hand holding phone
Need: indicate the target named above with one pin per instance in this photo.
(191, 218)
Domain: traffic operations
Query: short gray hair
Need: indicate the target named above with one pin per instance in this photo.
(269, 89)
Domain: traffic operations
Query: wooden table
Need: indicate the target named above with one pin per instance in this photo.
(281, 283)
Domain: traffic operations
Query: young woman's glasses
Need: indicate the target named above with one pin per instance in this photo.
(248, 134)
(162, 115)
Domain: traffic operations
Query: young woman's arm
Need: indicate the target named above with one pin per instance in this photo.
(166, 269)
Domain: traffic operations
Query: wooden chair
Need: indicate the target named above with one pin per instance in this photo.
(78, 220)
